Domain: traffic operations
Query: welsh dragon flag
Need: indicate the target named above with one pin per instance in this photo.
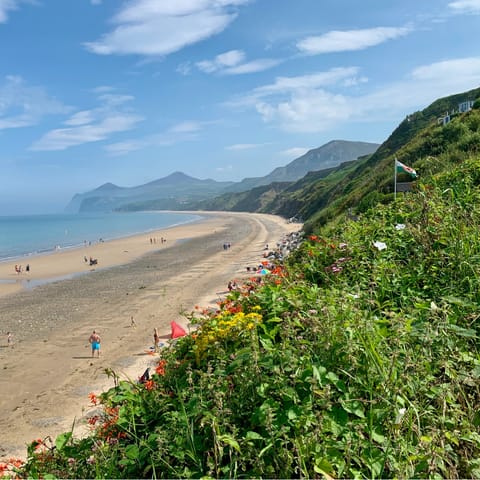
(403, 168)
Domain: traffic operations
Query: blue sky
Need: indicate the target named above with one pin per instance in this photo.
(95, 91)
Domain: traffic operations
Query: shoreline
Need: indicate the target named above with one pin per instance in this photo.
(45, 266)
(46, 377)
(24, 257)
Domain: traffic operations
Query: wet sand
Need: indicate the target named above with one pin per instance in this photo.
(47, 375)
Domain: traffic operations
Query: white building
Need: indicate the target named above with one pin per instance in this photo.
(465, 106)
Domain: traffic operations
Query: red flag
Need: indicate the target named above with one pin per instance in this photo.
(177, 330)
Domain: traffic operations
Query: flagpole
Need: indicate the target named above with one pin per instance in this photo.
(395, 179)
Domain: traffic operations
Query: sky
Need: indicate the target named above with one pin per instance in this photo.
(129, 91)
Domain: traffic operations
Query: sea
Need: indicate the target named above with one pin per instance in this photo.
(25, 235)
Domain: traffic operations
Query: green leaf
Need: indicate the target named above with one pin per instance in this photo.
(268, 447)
(354, 407)
(62, 440)
(377, 437)
(319, 373)
(324, 467)
(229, 440)
(253, 436)
(461, 302)
(463, 332)
(131, 451)
(291, 414)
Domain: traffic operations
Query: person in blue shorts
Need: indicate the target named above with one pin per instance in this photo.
(95, 343)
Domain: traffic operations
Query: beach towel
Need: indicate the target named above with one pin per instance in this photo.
(177, 330)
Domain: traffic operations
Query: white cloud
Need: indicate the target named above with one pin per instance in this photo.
(123, 148)
(180, 132)
(22, 105)
(155, 28)
(91, 125)
(80, 118)
(307, 111)
(227, 59)
(184, 68)
(315, 103)
(468, 69)
(233, 63)
(331, 77)
(6, 6)
(254, 66)
(341, 76)
(465, 6)
(349, 40)
(186, 127)
(294, 152)
(244, 146)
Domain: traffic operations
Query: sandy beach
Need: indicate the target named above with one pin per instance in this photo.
(45, 377)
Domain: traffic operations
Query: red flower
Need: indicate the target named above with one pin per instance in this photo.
(93, 420)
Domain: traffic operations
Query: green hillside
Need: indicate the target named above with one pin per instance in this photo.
(356, 186)
(358, 358)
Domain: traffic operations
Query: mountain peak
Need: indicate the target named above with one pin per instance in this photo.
(107, 186)
(178, 176)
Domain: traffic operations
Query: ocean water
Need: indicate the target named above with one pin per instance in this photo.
(26, 235)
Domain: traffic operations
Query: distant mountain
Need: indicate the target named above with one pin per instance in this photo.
(173, 190)
(329, 155)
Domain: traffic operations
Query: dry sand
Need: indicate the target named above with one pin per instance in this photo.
(46, 376)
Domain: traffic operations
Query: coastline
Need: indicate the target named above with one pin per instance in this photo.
(46, 377)
(56, 265)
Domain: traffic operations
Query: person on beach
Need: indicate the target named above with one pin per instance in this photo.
(9, 339)
(156, 340)
(95, 343)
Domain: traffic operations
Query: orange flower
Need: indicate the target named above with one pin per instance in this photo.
(93, 398)
(160, 370)
(149, 385)
(314, 238)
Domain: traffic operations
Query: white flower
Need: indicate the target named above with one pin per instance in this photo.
(380, 245)
(400, 415)
(399, 226)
